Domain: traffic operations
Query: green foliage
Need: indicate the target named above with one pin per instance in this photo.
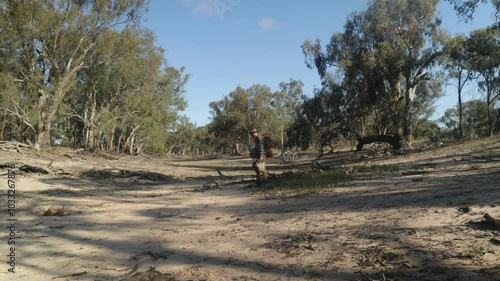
(426, 129)
(86, 74)
(466, 8)
(384, 62)
(322, 120)
(306, 182)
(372, 169)
(475, 56)
(256, 107)
(475, 120)
(189, 139)
(286, 104)
(303, 183)
(459, 68)
(483, 47)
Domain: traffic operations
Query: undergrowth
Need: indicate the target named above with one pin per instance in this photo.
(303, 183)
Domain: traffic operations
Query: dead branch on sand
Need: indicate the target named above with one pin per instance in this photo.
(26, 167)
(492, 221)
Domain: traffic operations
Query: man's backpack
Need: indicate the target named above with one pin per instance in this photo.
(268, 145)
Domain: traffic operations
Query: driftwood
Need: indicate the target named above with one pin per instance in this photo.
(149, 275)
(224, 176)
(318, 166)
(495, 241)
(27, 167)
(492, 221)
(13, 146)
(63, 211)
(65, 154)
(71, 275)
(395, 141)
(418, 172)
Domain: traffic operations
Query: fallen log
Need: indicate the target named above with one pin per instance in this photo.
(71, 275)
(491, 220)
(26, 167)
(66, 153)
(13, 146)
(395, 141)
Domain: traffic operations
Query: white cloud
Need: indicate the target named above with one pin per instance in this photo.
(211, 8)
(199, 7)
(250, 78)
(267, 23)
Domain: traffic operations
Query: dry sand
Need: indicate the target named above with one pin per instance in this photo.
(121, 215)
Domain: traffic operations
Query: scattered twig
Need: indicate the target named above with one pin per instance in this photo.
(28, 167)
(224, 176)
(127, 276)
(63, 211)
(71, 275)
(364, 276)
(13, 146)
(495, 241)
(318, 166)
(65, 154)
(411, 173)
(492, 221)
(133, 270)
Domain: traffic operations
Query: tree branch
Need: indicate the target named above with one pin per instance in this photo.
(23, 116)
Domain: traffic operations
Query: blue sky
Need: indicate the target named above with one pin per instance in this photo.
(228, 43)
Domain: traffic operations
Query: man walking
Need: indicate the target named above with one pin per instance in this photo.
(258, 154)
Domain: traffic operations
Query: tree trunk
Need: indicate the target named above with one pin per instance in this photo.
(408, 115)
(120, 144)
(282, 137)
(43, 134)
(489, 104)
(91, 139)
(236, 148)
(395, 141)
(89, 121)
(42, 138)
(2, 127)
(111, 140)
(129, 143)
(171, 149)
(460, 115)
(138, 149)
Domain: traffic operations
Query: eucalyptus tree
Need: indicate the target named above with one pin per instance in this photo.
(182, 140)
(286, 104)
(459, 68)
(231, 119)
(7, 73)
(241, 110)
(383, 56)
(127, 100)
(450, 121)
(18, 84)
(484, 56)
(476, 121)
(322, 119)
(130, 66)
(204, 141)
(474, 118)
(467, 8)
(262, 115)
(56, 39)
(147, 114)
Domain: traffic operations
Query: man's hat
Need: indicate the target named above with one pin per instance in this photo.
(253, 131)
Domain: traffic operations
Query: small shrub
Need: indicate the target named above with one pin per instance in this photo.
(373, 169)
(306, 182)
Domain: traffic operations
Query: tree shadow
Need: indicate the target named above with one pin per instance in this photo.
(367, 197)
